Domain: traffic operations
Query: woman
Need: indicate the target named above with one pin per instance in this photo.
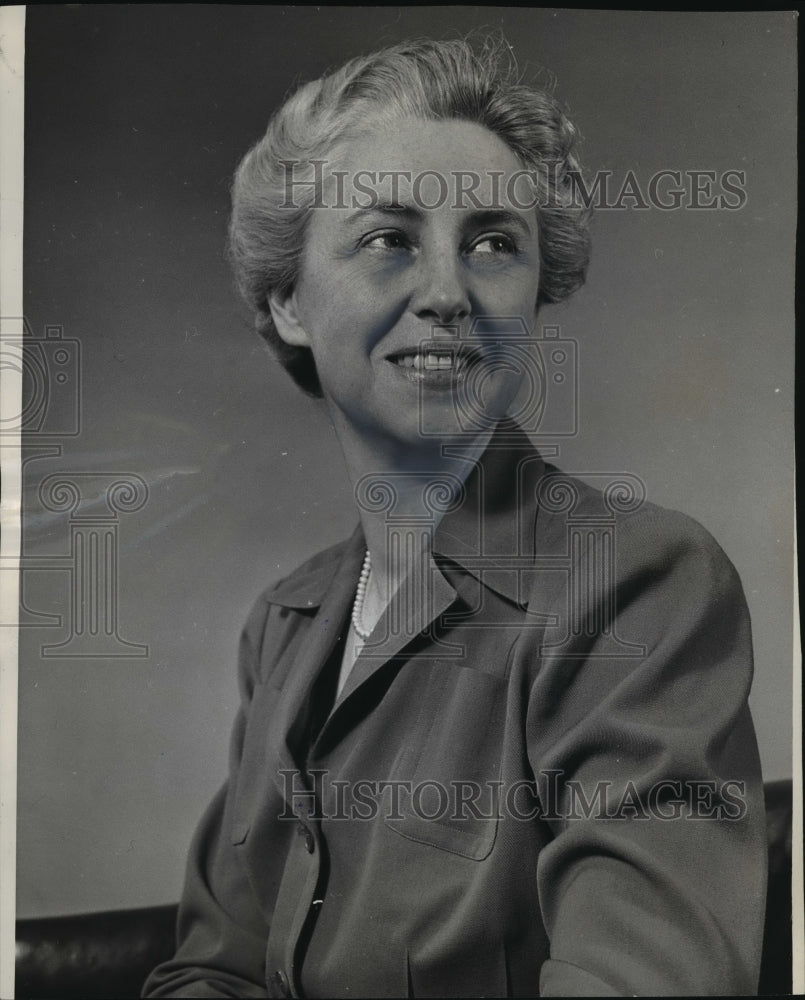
(498, 741)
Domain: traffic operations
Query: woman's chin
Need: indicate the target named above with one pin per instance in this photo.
(420, 417)
(427, 428)
(428, 407)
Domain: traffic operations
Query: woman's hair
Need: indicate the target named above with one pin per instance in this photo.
(427, 79)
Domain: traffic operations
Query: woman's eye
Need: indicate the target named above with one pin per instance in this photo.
(494, 245)
(386, 241)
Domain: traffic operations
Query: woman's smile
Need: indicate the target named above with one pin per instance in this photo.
(437, 367)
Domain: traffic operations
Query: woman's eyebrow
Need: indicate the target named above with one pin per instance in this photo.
(393, 209)
(471, 220)
(497, 217)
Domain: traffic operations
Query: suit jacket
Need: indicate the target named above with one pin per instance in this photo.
(541, 775)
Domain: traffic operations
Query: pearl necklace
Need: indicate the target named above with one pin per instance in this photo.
(360, 596)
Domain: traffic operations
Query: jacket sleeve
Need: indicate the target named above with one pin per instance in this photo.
(648, 769)
(221, 933)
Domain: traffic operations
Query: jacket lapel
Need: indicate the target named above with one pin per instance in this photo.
(490, 535)
(322, 634)
(413, 610)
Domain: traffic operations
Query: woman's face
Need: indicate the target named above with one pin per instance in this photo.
(419, 276)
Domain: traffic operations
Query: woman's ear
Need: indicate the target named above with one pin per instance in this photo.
(285, 313)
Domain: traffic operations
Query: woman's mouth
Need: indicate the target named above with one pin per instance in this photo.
(437, 368)
(426, 362)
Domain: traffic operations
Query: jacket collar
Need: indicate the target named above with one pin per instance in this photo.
(493, 526)
(306, 587)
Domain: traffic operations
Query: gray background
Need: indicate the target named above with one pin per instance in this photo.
(135, 119)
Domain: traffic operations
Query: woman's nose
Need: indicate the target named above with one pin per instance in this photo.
(441, 294)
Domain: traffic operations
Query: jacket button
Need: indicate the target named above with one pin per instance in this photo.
(280, 983)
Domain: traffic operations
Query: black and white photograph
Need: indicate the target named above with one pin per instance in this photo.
(399, 575)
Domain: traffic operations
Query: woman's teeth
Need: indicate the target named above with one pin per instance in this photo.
(426, 362)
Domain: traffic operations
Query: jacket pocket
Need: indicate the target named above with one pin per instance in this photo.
(451, 781)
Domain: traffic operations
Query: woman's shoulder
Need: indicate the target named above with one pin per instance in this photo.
(605, 531)
(617, 506)
(638, 594)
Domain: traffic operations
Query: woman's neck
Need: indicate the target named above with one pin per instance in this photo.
(401, 493)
